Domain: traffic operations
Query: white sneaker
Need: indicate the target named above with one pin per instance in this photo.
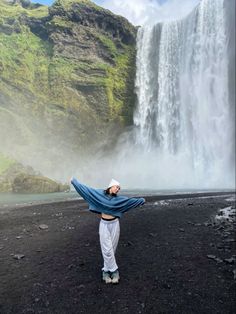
(115, 277)
(106, 277)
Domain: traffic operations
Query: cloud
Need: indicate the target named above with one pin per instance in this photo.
(140, 12)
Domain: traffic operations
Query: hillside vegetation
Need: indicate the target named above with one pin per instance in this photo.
(66, 82)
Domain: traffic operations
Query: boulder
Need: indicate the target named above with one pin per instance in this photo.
(17, 178)
(24, 183)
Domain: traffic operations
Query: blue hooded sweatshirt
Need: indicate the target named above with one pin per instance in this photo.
(100, 202)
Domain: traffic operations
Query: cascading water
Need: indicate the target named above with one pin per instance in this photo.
(183, 121)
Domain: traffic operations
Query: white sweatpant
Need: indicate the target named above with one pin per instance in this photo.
(109, 233)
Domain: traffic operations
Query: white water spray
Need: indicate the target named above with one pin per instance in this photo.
(183, 123)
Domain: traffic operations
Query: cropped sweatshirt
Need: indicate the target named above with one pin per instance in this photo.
(100, 202)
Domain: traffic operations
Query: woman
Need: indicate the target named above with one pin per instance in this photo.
(111, 207)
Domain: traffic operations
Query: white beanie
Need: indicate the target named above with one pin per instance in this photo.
(113, 182)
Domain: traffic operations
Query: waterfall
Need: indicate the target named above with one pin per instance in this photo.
(183, 126)
(183, 132)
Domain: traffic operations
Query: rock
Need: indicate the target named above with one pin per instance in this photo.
(38, 284)
(47, 303)
(230, 240)
(151, 234)
(24, 183)
(28, 310)
(18, 256)
(81, 286)
(23, 3)
(43, 227)
(19, 237)
(18, 178)
(207, 224)
(130, 243)
(85, 14)
(166, 286)
(217, 259)
(1, 247)
(5, 185)
(142, 305)
(211, 256)
(229, 260)
(234, 273)
(181, 229)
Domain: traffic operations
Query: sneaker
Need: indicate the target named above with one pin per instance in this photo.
(115, 277)
(106, 276)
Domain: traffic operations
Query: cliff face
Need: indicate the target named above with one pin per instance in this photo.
(67, 78)
(17, 178)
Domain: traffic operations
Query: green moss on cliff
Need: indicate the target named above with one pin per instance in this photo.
(27, 56)
(117, 87)
(60, 23)
(66, 4)
(5, 163)
(108, 44)
(66, 78)
(24, 61)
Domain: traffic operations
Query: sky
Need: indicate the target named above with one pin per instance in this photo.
(140, 12)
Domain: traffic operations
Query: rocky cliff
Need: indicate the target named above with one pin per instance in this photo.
(17, 178)
(66, 80)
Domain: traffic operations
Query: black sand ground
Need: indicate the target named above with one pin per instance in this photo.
(162, 257)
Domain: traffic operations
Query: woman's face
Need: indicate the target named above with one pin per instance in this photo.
(114, 189)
